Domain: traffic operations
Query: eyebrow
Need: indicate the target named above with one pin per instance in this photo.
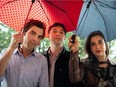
(36, 33)
(33, 31)
(98, 41)
(58, 29)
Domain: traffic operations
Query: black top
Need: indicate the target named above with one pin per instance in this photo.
(61, 73)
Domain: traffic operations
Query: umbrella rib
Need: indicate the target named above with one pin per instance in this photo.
(9, 2)
(101, 16)
(61, 10)
(27, 18)
(44, 11)
(86, 11)
(29, 11)
(106, 5)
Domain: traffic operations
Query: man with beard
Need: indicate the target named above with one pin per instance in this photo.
(58, 57)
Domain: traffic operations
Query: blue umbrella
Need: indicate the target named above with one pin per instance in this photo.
(98, 15)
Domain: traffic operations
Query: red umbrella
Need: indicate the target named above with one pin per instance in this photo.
(15, 13)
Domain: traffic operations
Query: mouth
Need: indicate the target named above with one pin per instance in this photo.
(57, 38)
(33, 43)
(98, 51)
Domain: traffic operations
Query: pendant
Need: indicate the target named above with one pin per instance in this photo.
(102, 83)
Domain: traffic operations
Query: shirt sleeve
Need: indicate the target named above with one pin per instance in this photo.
(75, 70)
(1, 78)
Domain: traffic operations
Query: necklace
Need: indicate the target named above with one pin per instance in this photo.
(103, 74)
(103, 62)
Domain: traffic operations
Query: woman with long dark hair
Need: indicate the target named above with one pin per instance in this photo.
(97, 70)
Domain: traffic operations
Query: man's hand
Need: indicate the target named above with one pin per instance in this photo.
(16, 39)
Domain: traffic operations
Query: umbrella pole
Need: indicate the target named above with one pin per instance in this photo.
(29, 11)
(44, 12)
(74, 35)
(26, 18)
(88, 5)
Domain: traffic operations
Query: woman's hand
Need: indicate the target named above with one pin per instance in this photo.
(73, 46)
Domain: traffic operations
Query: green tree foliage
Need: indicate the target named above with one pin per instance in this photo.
(45, 44)
(5, 36)
(6, 33)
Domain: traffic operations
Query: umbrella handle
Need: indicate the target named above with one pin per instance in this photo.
(73, 38)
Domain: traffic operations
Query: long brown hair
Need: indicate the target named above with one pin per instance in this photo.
(87, 44)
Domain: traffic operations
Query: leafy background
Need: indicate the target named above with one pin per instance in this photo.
(6, 33)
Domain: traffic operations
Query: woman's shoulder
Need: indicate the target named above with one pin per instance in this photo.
(112, 61)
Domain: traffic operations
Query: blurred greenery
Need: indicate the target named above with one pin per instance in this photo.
(6, 33)
(5, 36)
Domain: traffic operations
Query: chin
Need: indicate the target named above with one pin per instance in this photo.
(99, 55)
(31, 48)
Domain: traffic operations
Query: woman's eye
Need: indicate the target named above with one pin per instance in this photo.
(92, 44)
(100, 42)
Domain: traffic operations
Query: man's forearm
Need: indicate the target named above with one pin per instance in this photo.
(4, 60)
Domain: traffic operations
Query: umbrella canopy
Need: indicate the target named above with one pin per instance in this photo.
(98, 15)
(15, 13)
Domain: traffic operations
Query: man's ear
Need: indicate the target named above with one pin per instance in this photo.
(23, 33)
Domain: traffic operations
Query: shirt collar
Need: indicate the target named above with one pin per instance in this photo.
(17, 51)
(49, 51)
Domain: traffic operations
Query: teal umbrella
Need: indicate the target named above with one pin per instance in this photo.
(98, 15)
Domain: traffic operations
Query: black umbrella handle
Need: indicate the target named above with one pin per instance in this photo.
(73, 38)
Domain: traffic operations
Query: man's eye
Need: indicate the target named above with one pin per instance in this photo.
(54, 31)
(33, 33)
(62, 32)
(40, 37)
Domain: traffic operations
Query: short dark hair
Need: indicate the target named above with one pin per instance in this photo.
(87, 44)
(55, 25)
(32, 22)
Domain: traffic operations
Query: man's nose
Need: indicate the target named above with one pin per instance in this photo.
(35, 39)
(58, 33)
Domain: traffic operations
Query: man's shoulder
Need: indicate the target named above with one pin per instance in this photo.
(40, 56)
(45, 52)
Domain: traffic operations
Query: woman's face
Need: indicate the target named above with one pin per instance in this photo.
(98, 46)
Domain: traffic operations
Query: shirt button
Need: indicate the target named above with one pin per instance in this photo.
(60, 69)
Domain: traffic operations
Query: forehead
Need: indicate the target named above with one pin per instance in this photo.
(36, 30)
(96, 38)
(59, 28)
